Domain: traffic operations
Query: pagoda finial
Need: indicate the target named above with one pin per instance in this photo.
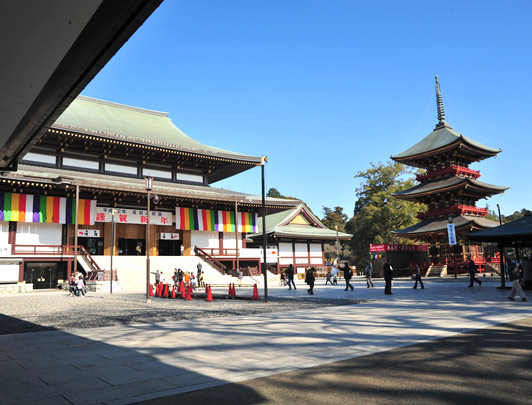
(439, 103)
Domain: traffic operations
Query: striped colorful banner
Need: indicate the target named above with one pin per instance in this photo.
(188, 219)
(41, 208)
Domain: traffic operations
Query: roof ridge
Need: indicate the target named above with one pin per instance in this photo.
(123, 106)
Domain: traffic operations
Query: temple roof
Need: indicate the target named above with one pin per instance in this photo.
(451, 183)
(518, 230)
(436, 225)
(443, 137)
(95, 181)
(105, 119)
(286, 224)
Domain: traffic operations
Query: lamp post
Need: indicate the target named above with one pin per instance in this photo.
(337, 245)
(113, 212)
(149, 186)
(452, 240)
(264, 267)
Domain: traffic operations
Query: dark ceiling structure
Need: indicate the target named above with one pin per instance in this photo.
(51, 49)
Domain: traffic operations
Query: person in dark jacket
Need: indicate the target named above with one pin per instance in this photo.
(418, 277)
(290, 276)
(348, 274)
(388, 277)
(515, 278)
(309, 279)
(472, 269)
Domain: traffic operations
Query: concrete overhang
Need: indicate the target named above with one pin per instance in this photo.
(50, 50)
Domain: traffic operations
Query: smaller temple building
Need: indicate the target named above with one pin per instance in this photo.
(297, 237)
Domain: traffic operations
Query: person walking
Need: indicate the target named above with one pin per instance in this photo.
(515, 278)
(328, 278)
(472, 269)
(368, 270)
(388, 277)
(290, 276)
(418, 277)
(310, 279)
(157, 278)
(348, 274)
(334, 274)
(527, 272)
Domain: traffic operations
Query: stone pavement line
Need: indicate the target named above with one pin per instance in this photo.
(128, 363)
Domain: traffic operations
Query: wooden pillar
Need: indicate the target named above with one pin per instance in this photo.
(107, 239)
(187, 243)
(154, 250)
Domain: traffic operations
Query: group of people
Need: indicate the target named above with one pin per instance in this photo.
(77, 285)
(186, 277)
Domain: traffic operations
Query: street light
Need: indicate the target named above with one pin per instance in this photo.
(149, 187)
(113, 212)
(337, 245)
(264, 239)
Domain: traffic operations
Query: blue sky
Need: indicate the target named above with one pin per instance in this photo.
(323, 88)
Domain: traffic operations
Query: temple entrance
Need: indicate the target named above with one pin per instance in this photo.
(93, 245)
(44, 275)
(170, 247)
(131, 247)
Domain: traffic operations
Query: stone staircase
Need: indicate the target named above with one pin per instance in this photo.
(436, 270)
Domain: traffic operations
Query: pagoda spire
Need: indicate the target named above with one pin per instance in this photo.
(439, 105)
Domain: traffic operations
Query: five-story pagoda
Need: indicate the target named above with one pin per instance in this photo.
(448, 188)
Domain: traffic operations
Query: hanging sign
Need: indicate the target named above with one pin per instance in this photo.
(169, 236)
(128, 216)
(451, 233)
(197, 219)
(88, 233)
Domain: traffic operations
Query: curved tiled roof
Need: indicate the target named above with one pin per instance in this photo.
(447, 184)
(91, 116)
(440, 224)
(442, 136)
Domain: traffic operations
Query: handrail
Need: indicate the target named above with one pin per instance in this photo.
(88, 259)
(209, 259)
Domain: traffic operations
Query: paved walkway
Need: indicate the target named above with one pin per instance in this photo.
(129, 363)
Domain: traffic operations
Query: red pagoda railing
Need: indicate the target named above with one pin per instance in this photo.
(455, 210)
(453, 170)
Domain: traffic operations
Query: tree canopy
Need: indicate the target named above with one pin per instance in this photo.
(377, 213)
(334, 217)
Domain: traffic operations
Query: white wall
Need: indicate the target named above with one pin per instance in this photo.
(229, 241)
(315, 250)
(205, 239)
(4, 233)
(38, 234)
(301, 250)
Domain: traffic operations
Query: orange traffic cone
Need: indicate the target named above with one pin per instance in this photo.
(173, 292)
(166, 291)
(151, 290)
(209, 293)
(255, 292)
(189, 293)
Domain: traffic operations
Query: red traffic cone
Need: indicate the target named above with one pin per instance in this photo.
(209, 293)
(189, 293)
(255, 292)
(166, 291)
(173, 292)
(158, 289)
(151, 290)
(183, 295)
(234, 290)
(230, 293)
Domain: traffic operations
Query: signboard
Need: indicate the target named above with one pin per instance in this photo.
(88, 233)
(398, 248)
(451, 233)
(169, 236)
(129, 216)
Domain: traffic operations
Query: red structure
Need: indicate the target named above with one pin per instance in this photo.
(449, 189)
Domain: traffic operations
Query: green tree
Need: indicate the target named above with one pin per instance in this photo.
(377, 213)
(274, 193)
(334, 217)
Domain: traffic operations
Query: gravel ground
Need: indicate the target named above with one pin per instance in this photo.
(56, 310)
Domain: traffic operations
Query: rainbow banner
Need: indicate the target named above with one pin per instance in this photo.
(196, 219)
(41, 208)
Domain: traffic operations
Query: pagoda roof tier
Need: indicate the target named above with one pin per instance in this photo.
(461, 223)
(127, 191)
(122, 123)
(298, 222)
(444, 139)
(450, 184)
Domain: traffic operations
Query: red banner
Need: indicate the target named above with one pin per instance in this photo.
(398, 248)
